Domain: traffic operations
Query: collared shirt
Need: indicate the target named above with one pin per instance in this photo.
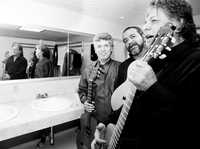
(103, 88)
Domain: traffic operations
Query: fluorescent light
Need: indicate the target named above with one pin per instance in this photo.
(122, 17)
(31, 28)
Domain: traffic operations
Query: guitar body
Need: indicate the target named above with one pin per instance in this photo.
(86, 133)
(121, 94)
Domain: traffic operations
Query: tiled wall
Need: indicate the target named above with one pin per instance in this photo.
(28, 89)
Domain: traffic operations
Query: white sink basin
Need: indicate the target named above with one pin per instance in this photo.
(7, 112)
(51, 104)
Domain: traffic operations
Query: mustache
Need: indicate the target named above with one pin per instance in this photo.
(130, 46)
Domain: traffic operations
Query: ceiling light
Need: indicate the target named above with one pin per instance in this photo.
(122, 17)
(31, 28)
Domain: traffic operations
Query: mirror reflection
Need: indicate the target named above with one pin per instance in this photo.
(28, 54)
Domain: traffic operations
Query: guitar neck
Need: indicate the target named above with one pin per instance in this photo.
(89, 93)
(120, 124)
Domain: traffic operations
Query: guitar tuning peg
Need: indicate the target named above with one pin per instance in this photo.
(168, 48)
(163, 56)
(173, 40)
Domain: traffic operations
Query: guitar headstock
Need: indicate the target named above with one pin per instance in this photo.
(96, 72)
(162, 41)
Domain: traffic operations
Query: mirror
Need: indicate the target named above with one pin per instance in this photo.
(69, 51)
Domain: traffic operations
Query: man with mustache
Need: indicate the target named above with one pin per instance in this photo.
(133, 39)
(165, 109)
(134, 42)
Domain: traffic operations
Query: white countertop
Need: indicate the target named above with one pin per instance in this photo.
(29, 119)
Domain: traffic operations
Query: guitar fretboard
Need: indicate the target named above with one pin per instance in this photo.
(120, 124)
(89, 93)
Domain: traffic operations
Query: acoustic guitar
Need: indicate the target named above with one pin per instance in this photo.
(124, 94)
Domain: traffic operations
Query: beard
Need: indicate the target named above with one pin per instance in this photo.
(134, 49)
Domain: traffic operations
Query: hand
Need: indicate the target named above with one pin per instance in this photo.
(89, 107)
(99, 132)
(141, 75)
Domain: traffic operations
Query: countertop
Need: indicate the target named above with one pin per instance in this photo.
(29, 119)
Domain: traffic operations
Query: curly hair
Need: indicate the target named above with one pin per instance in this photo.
(179, 9)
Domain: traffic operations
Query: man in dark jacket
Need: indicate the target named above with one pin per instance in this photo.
(164, 112)
(133, 39)
(99, 91)
(43, 66)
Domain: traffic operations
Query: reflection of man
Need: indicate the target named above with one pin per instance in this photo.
(133, 39)
(43, 67)
(16, 64)
(102, 88)
(165, 111)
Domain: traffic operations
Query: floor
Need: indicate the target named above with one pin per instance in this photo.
(63, 140)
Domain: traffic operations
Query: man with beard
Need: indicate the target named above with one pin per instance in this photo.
(134, 42)
(133, 39)
(165, 109)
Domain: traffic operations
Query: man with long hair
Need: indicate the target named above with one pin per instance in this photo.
(16, 64)
(164, 112)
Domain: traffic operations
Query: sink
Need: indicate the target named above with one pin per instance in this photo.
(7, 112)
(51, 104)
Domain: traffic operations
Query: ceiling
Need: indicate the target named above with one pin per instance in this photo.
(48, 34)
(120, 11)
(114, 10)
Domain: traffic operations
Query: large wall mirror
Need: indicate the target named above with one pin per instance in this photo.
(69, 51)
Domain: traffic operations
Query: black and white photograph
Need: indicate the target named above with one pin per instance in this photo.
(99, 74)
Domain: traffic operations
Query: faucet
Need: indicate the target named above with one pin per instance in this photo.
(40, 95)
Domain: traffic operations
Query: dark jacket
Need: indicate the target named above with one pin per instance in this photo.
(103, 88)
(16, 69)
(122, 72)
(166, 115)
(43, 68)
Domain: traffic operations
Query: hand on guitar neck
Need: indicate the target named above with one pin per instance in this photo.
(89, 107)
